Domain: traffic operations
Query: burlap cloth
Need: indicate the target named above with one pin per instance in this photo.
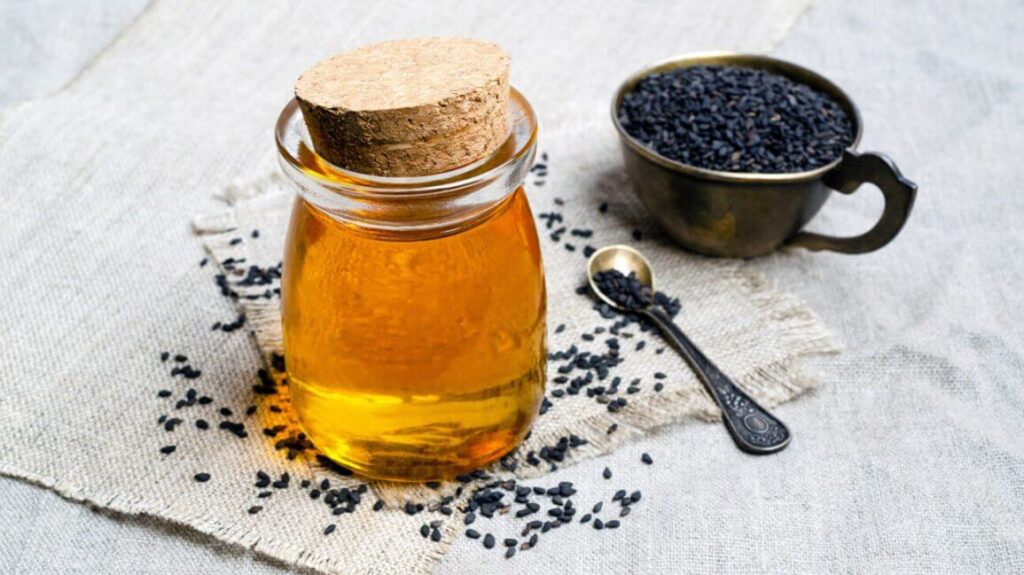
(165, 111)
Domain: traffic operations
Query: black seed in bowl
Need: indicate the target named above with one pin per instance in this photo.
(735, 119)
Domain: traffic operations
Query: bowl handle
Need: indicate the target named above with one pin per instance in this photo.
(854, 170)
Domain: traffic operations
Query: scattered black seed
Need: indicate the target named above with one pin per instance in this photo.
(163, 393)
(510, 552)
(425, 530)
(164, 355)
(238, 429)
(488, 541)
(550, 219)
(598, 506)
(282, 482)
(264, 494)
(186, 371)
(203, 262)
(202, 424)
(435, 535)
(607, 473)
(255, 509)
(659, 386)
(201, 477)
(736, 119)
(330, 529)
(560, 328)
(168, 449)
(234, 325)
(598, 524)
(472, 534)
(624, 512)
(619, 495)
(635, 496)
(171, 423)
(646, 458)
(603, 208)
(588, 250)
(378, 505)
(255, 234)
(612, 524)
(660, 375)
(180, 358)
(612, 429)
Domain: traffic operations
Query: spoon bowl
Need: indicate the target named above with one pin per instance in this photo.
(624, 259)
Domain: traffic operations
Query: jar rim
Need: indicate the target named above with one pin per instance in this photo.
(292, 139)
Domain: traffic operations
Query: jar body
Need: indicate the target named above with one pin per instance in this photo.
(415, 359)
(413, 309)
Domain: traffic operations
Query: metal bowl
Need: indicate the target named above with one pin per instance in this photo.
(741, 214)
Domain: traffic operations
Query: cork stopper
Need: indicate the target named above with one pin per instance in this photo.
(408, 107)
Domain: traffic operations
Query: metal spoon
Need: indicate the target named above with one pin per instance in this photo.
(752, 427)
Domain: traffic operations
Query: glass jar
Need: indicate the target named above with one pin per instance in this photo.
(413, 308)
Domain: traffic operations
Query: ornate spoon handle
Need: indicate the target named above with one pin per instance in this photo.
(752, 427)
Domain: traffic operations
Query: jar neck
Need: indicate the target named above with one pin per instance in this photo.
(416, 207)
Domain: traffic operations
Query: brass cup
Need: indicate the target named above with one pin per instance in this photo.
(740, 214)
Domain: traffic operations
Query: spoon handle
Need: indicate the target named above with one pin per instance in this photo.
(752, 427)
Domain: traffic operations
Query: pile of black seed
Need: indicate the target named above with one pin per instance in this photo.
(735, 119)
(624, 290)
